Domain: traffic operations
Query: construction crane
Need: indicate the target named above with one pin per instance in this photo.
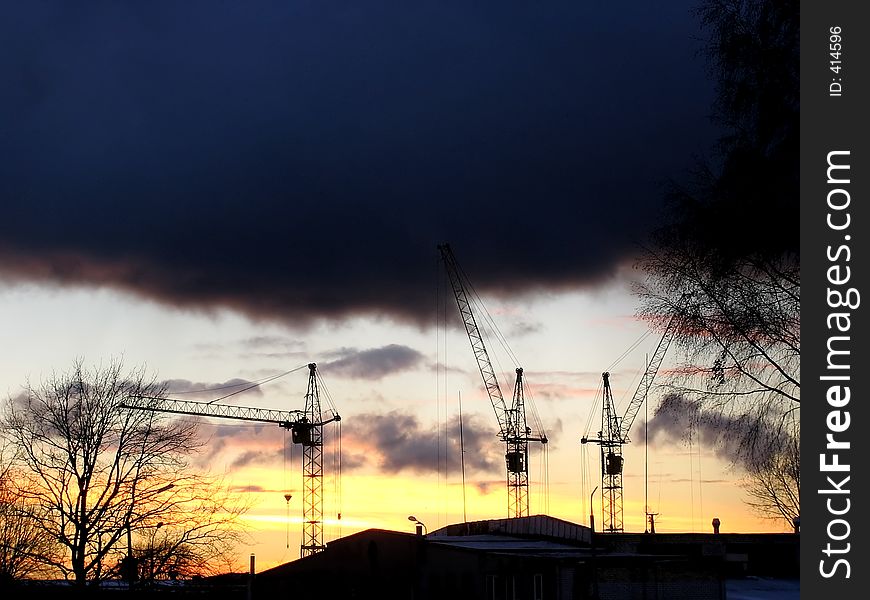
(306, 428)
(614, 433)
(513, 428)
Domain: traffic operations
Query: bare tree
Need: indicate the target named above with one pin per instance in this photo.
(773, 482)
(765, 451)
(24, 550)
(97, 470)
(738, 329)
(196, 541)
(726, 264)
(737, 324)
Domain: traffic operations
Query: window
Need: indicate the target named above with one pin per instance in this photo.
(495, 588)
(490, 587)
(538, 587)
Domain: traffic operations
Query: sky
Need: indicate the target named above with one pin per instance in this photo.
(228, 191)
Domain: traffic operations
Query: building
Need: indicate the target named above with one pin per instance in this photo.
(530, 558)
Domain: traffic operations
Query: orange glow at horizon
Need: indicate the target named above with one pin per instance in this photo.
(386, 501)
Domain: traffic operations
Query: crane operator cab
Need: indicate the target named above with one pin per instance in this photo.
(613, 464)
(516, 462)
(301, 432)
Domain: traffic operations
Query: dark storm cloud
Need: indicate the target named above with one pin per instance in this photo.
(374, 363)
(397, 441)
(299, 160)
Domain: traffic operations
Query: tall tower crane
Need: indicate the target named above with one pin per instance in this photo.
(306, 428)
(614, 433)
(513, 428)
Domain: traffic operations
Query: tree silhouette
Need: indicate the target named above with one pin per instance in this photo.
(726, 262)
(97, 471)
(24, 549)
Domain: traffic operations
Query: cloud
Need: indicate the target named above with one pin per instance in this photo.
(440, 367)
(256, 347)
(374, 363)
(301, 161)
(254, 489)
(488, 487)
(257, 458)
(273, 346)
(241, 443)
(706, 481)
(271, 341)
(398, 441)
(190, 390)
(521, 328)
(680, 419)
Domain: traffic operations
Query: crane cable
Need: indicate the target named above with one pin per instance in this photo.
(286, 491)
(487, 316)
(599, 397)
(326, 394)
(493, 326)
(544, 462)
(336, 449)
(599, 394)
(438, 363)
(630, 349)
(536, 418)
(257, 384)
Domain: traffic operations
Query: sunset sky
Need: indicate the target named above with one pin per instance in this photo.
(229, 191)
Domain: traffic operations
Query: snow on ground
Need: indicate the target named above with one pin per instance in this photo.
(762, 588)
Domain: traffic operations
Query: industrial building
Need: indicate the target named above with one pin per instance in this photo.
(535, 558)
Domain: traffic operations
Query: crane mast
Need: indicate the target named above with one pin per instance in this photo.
(614, 433)
(610, 444)
(517, 454)
(513, 428)
(306, 428)
(312, 471)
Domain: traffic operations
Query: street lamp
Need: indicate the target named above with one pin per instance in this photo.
(592, 510)
(151, 554)
(595, 595)
(130, 564)
(420, 523)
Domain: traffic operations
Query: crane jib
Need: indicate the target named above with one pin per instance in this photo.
(513, 429)
(306, 428)
(285, 419)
